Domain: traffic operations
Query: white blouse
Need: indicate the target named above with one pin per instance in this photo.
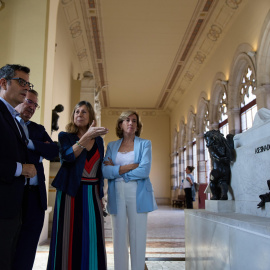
(124, 159)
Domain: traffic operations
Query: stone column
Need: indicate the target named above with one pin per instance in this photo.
(174, 172)
(181, 172)
(90, 93)
(263, 96)
(202, 169)
(97, 108)
(234, 121)
(189, 154)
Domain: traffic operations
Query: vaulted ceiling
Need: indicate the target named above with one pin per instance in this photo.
(145, 54)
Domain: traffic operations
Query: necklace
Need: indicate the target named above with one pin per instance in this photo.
(125, 152)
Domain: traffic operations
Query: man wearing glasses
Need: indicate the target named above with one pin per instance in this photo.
(14, 165)
(34, 200)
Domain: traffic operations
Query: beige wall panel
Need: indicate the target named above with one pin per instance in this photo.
(155, 128)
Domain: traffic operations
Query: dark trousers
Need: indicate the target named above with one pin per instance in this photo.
(189, 201)
(9, 232)
(32, 223)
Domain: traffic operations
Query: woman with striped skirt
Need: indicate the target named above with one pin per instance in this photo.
(77, 240)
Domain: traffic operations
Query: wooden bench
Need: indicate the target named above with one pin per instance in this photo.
(180, 201)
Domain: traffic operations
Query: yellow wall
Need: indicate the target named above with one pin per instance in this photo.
(155, 128)
(23, 39)
(66, 89)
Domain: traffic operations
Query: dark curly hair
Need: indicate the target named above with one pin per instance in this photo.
(190, 168)
(8, 71)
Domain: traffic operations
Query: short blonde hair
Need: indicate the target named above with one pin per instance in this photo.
(124, 115)
(71, 127)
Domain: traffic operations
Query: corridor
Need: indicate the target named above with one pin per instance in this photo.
(165, 241)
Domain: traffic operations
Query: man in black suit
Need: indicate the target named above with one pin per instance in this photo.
(34, 200)
(14, 167)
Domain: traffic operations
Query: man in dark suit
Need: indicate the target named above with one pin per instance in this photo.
(34, 200)
(14, 167)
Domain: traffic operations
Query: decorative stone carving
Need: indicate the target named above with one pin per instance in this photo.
(214, 32)
(200, 57)
(97, 107)
(233, 4)
(189, 76)
(82, 54)
(75, 29)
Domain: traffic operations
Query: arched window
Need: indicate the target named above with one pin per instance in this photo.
(185, 157)
(182, 151)
(206, 121)
(194, 159)
(222, 112)
(177, 170)
(241, 88)
(176, 158)
(206, 153)
(191, 142)
(248, 99)
(202, 125)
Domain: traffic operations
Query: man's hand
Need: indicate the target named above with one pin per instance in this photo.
(28, 170)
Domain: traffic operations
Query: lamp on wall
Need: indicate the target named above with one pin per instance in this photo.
(2, 5)
(251, 53)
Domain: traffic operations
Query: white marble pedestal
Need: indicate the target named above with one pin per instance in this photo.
(235, 234)
(226, 241)
(44, 233)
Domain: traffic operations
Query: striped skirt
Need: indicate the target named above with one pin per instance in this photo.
(77, 240)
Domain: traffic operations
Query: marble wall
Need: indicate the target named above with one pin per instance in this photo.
(251, 169)
(226, 241)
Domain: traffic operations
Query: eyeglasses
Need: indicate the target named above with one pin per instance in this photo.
(23, 82)
(30, 102)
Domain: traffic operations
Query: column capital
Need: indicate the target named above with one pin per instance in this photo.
(262, 93)
(234, 111)
(265, 88)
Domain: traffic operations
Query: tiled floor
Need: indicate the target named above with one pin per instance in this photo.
(165, 241)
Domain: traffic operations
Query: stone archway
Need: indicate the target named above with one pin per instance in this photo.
(263, 66)
(243, 58)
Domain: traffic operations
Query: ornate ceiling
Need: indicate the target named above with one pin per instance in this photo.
(145, 54)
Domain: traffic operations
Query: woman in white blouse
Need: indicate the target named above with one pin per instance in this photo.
(130, 194)
(187, 185)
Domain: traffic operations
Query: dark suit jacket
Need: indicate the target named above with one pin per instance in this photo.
(49, 151)
(69, 176)
(12, 149)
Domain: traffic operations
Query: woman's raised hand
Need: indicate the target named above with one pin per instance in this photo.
(94, 131)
